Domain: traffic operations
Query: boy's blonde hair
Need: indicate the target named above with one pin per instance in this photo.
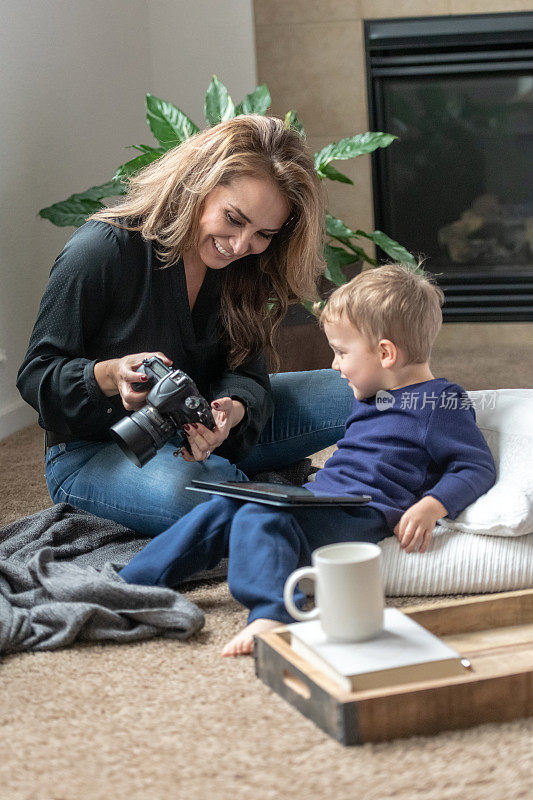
(391, 302)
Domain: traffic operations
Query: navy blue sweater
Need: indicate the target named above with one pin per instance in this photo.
(410, 442)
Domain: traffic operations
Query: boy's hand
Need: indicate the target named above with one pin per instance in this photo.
(416, 525)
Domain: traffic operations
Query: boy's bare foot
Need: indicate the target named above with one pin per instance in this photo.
(243, 643)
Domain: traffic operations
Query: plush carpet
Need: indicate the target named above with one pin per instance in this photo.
(163, 719)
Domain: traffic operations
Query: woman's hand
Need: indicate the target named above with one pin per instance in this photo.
(116, 376)
(416, 525)
(227, 413)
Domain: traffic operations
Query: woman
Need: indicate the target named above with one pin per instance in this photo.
(198, 264)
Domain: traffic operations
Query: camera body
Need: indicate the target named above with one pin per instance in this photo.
(172, 402)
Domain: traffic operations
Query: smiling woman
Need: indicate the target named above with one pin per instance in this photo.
(226, 233)
(198, 264)
(231, 231)
(259, 167)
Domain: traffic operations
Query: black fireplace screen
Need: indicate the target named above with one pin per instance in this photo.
(457, 186)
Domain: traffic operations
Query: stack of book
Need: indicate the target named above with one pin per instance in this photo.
(404, 652)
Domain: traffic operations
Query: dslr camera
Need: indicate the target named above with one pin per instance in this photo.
(173, 401)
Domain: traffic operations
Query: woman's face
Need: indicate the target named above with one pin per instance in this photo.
(239, 219)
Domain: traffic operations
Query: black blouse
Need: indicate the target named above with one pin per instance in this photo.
(108, 297)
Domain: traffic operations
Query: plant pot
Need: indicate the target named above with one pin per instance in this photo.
(303, 346)
(301, 342)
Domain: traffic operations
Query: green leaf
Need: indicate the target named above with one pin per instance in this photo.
(339, 231)
(131, 167)
(335, 227)
(328, 171)
(73, 211)
(352, 147)
(292, 121)
(359, 252)
(343, 234)
(169, 124)
(308, 304)
(76, 208)
(110, 189)
(218, 104)
(336, 258)
(393, 249)
(255, 103)
(144, 148)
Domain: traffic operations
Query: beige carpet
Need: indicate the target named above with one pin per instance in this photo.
(163, 719)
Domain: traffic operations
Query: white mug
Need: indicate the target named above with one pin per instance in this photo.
(349, 591)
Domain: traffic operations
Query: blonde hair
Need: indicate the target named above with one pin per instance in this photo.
(165, 200)
(391, 302)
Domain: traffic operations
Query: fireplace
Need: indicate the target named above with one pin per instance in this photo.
(457, 186)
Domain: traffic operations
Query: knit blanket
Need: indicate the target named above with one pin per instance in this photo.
(59, 584)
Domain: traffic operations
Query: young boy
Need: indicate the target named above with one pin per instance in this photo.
(411, 443)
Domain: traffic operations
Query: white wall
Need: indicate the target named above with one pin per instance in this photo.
(73, 75)
(192, 40)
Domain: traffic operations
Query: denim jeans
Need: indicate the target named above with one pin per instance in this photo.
(264, 546)
(310, 412)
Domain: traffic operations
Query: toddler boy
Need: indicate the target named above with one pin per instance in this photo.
(411, 442)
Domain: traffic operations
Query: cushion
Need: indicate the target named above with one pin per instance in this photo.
(458, 560)
(458, 563)
(505, 417)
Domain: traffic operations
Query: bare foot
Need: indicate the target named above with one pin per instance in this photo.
(243, 643)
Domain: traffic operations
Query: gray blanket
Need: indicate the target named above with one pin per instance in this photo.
(59, 584)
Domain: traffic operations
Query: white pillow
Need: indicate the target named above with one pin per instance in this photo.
(505, 417)
(456, 563)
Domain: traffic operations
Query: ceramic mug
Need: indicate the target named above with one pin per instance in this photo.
(349, 591)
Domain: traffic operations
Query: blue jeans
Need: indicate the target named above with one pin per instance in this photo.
(264, 545)
(310, 412)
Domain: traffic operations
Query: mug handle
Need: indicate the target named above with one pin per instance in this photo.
(288, 592)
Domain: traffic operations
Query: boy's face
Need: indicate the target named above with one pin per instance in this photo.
(356, 360)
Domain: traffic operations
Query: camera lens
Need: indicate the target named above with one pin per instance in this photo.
(141, 435)
(134, 441)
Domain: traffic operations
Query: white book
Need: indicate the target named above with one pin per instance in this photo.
(403, 652)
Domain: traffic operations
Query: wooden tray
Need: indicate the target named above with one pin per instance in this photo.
(495, 632)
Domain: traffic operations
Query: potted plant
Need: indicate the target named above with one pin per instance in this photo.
(170, 127)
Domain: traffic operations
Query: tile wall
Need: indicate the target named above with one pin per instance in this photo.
(310, 53)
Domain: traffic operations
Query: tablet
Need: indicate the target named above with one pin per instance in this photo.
(275, 494)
